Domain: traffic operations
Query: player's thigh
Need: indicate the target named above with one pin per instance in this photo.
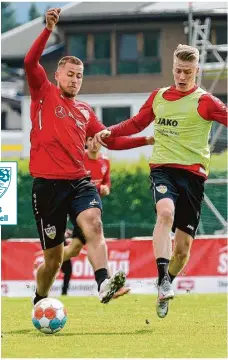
(75, 245)
(85, 209)
(90, 222)
(182, 242)
(189, 204)
(54, 256)
(50, 212)
(165, 192)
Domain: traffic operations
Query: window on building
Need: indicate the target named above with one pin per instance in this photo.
(114, 115)
(94, 50)
(218, 36)
(138, 52)
(3, 120)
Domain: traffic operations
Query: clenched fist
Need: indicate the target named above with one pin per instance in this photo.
(52, 17)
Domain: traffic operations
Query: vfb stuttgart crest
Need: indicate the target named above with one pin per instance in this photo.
(162, 189)
(50, 231)
(5, 178)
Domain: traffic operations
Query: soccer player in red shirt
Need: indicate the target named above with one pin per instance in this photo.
(98, 166)
(60, 126)
(183, 115)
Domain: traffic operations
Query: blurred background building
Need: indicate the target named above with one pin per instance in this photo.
(127, 51)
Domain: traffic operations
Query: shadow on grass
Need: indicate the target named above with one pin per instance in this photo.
(33, 332)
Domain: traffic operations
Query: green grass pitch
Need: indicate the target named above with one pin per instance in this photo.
(127, 327)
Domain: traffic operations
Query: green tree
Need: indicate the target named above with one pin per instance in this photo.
(33, 12)
(8, 17)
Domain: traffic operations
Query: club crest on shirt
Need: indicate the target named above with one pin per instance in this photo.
(103, 170)
(60, 112)
(50, 232)
(162, 189)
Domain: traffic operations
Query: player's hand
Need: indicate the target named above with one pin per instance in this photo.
(104, 190)
(98, 138)
(52, 17)
(150, 140)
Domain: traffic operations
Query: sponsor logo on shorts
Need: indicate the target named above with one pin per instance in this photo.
(162, 189)
(190, 227)
(94, 202)
(50, 231)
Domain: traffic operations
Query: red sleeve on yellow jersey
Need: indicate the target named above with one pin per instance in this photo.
(125, 142)
(138, 122)
(212, 109)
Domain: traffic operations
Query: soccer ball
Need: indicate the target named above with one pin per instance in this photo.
(49, 316)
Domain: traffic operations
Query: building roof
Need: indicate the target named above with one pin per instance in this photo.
(88, 10)
(16, 42)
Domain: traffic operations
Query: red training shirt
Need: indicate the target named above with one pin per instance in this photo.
(99, 170)
(60, 125)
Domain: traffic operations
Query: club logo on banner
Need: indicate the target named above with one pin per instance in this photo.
(8, 193)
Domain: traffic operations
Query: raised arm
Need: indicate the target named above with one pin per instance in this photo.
(35, 72)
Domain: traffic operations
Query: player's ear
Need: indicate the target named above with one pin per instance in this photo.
(57, 76)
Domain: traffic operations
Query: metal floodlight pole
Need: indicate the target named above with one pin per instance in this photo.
(190, 22)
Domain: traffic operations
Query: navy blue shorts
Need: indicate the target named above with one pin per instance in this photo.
(53, 200)
(187, 192)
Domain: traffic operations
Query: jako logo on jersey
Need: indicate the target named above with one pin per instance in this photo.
(50, 231)
(162, 189)
(167, 122)
(60, 112)
(5, 178)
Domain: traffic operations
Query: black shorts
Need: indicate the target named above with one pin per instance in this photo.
(187, 192)
(53, 200)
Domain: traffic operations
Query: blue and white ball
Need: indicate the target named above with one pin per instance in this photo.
(49, 316)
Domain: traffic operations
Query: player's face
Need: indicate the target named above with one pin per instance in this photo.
(69, 78)
(91, 147)
(184, 73)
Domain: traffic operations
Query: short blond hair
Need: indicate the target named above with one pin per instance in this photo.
(71, 60)
(186, 53)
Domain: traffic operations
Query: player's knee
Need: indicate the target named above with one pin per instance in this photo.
(166, 216)
(75, 250)
(96, 225)
(93, 223)
(182, 255)
(53, 265)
